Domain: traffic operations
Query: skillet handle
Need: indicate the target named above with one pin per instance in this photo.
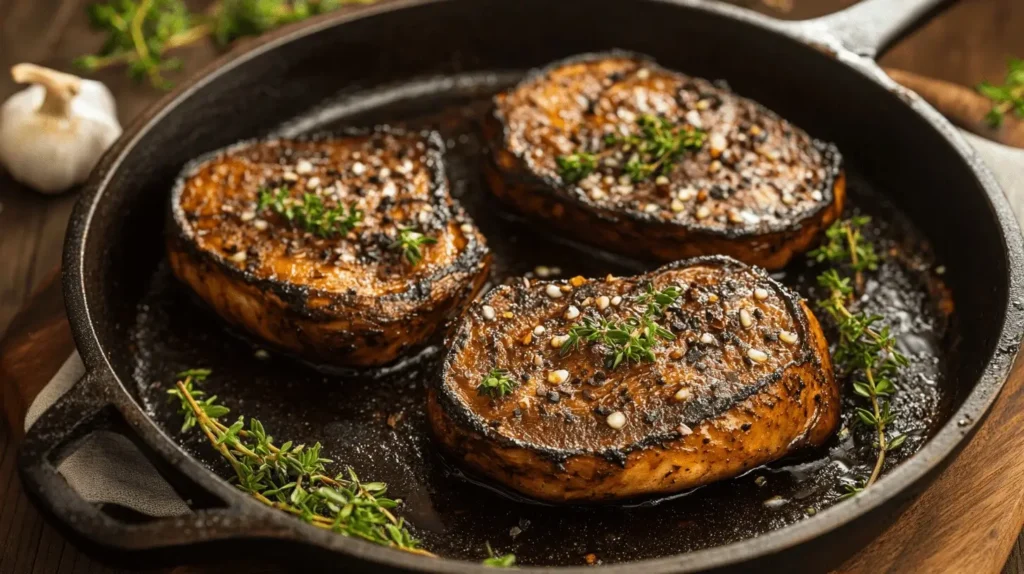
(869, 27)
(129, 538)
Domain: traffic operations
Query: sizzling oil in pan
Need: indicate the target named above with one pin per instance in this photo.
(376, 422)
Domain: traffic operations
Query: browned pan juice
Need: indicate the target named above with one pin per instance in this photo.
(375, 422)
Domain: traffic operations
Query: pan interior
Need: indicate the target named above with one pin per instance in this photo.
(392, 68)
(378, 425)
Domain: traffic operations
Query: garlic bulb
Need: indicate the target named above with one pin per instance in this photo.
(53, 133)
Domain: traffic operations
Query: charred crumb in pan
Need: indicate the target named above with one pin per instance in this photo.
(311, 230)
(757, 188)
(710, 368)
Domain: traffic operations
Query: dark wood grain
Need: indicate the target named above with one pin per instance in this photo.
(966, 44)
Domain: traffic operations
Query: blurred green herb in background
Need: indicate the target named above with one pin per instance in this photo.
(1008, 97)
(141, 33)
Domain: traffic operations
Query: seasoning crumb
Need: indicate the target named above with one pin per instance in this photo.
(488, 312)
(616, 420)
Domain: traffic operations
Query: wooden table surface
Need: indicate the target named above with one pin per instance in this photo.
(966, 44)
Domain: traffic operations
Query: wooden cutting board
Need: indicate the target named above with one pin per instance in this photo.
(967, 521)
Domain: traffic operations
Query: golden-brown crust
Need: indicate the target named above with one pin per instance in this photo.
(746, 380)
(341, 298)
(759, 189)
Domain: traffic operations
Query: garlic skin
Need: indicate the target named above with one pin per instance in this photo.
(53, 133)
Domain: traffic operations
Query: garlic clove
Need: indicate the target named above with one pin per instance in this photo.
(53, 133)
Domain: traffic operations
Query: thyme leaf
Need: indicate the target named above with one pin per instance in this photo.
(293, 478)
(1008, 97)
(409, 242)
(502, 561)
(574, 167)
(497, 384)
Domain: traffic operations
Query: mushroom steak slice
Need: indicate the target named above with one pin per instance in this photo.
(345, 250)
(601, 389)
(616, 151)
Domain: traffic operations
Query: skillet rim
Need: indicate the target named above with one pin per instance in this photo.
(935, 454)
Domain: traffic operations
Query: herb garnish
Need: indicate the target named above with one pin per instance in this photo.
(1008, 97)
(497, 384)
(652, 151)
(866, 352)
(293, 478)
(659, 145)
(574, 167)
(409, 242)
(503, 561)
(139, 34)
(310, 213)
(632, 339)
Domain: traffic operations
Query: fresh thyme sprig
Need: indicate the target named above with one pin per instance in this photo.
(502, 561)
(658, 144)
(310, 213)
(497, 384)
(630, 340)
(140, 33)
(293, 478)
(866, 352)
(409, 242)
(1008, 97)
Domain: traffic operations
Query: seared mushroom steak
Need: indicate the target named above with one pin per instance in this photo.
(343, 250)
(600, 389)
(621, 153)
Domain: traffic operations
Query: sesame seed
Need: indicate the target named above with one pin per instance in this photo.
(507, 314)
(248, 216)
(313, 183)
(553, 291)
(707, 339)
(616, 420)
(538, 360)
(735, 217)
(488, 312)
(788, 199)
(572, 312)
(598, 194)
(745, 319)
(466, 228)
(559, 340)
(303, 167)
(684, 430)
(714, 166)
(693, 118)
(602, 302)
(760, 294)
(682, 394)
(816, 195)
(238, 257)
(558, 377)
(616, 300)
(289, 176)
(788, 337)
(260, 224)
(703, 105)
(661, 180)
(358, 168)
(676, 205)
(687, 193)
(643, 74)
(538, 330)
(757, 355)
(703, 212)
(651, 208)
(261, 354)
(541, 271)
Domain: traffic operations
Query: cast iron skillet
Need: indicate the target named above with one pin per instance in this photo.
(819, 74)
